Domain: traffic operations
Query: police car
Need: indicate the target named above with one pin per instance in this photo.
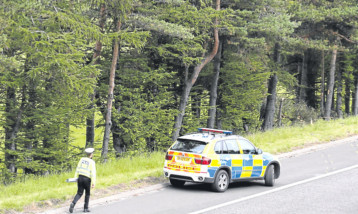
(220, 158)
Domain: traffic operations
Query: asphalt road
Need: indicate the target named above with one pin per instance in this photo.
(324, 180)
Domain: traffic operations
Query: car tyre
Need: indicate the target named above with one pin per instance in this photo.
(270, 176)
(176, 183)
(221, 182)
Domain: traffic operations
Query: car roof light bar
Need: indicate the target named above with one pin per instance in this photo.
(215, 131)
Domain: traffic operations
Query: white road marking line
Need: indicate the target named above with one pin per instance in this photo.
(274, 190)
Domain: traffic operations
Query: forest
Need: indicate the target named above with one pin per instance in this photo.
(152, 70)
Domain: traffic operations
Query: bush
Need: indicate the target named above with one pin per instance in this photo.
(297, 113)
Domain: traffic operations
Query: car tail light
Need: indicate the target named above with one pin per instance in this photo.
(206, 161)
(168, 157)
(203, 161)
(197, 161)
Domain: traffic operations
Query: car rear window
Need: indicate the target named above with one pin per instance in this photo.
(184, 145)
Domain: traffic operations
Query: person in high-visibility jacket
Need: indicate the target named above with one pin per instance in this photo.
(86, 173)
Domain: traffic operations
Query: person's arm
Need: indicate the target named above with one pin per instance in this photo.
(78, 165)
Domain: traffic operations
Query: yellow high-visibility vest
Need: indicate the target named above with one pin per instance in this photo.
(87, 167)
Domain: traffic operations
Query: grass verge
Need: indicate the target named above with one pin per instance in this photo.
(38, 190)
(54, 187)
(286, 139)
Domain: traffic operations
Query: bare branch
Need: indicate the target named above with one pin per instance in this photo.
(343, 37)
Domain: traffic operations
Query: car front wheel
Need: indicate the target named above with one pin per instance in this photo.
(270, 176)
(221, 182)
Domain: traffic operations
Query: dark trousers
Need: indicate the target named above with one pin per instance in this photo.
(83, 183)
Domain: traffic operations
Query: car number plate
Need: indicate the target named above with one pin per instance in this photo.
(182, 158)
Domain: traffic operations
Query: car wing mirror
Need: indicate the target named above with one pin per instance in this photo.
(258, 151)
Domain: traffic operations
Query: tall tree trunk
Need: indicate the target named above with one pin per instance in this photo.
(263, 108)
(30, 126)
(322, 85)
(218, 119)
(355, 96)
(108, 122)
(196, 103)
(271, 97)
(30, 123)
(270, 103)
(297, 90)
(330, 91)
(188, 83)
(10, 145)
(13, 121)
(347, 96)
(118, 144)
(90, 124)
(339, 94)
(97, 52)
(48, 134)
(182, 105)
(312, 67)
(279, 116)
(303, 80)
(214, 87)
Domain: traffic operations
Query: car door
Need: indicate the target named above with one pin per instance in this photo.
(236, 158)
(221, 150)
(252, 162)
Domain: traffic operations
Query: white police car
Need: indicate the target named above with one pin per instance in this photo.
(218, 157)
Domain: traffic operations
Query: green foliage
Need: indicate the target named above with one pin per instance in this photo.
(144, 113)
(162, 27)
(196, 114)
(47, 72)
(337, 11)
(44, 62)
(242, 90)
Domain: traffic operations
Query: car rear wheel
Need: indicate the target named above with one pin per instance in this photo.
(270, 176)
(221, 182)
(176, 183)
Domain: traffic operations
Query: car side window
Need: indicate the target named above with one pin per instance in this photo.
(247, 147)
(225, 150)
(218, 147)
(232, 147)
(221, 148)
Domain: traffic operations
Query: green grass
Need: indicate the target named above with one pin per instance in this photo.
(78, 134)
(286, 139)
(37, 189)
(43, 188)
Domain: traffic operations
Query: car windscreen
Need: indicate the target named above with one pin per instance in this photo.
(184, 145)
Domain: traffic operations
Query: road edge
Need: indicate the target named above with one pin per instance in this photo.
(317, 147)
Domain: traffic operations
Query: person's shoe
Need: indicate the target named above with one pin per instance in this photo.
(86, 210)
(71, 207)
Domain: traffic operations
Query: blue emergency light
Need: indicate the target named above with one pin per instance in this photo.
(215, 131)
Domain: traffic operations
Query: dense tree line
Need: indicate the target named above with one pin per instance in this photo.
(154, 69)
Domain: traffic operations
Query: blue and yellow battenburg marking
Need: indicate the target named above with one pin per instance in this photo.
(242, 166)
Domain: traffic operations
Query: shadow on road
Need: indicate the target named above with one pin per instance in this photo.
(195, 187)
